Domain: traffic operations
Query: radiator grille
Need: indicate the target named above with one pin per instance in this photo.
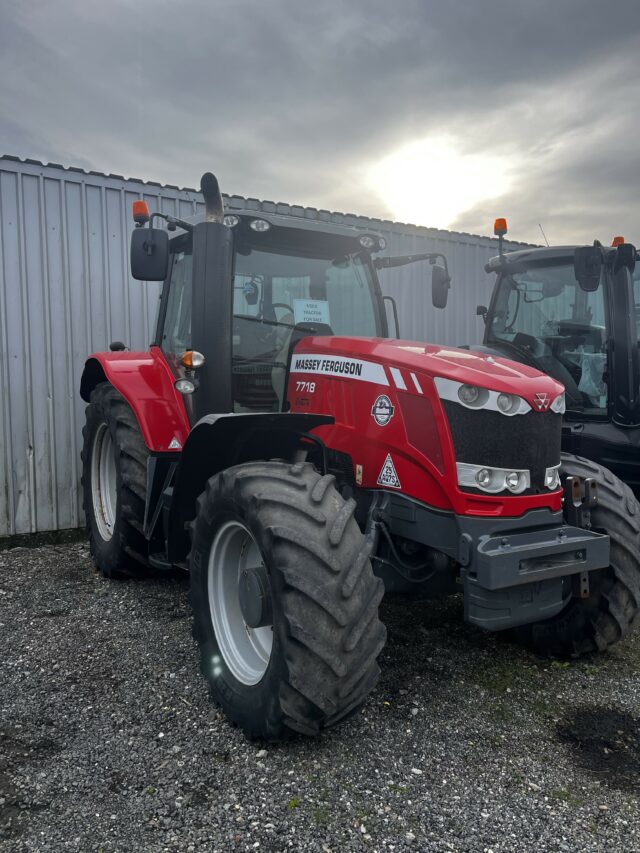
(482, 437)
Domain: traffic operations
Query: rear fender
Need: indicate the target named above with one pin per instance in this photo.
(220, 441)
(146, 382)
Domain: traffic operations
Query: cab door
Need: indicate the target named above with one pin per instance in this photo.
(173, 334)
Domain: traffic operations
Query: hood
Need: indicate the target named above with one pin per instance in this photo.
(461, 365)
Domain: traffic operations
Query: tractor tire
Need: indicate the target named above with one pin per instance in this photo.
(114, 484)
(611, 610)
(310, 658)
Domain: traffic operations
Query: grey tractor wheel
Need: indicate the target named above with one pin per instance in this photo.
(285, 602)
(611, 610)
(114, 484)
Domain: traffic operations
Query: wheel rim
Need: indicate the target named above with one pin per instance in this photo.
(245, 650)
(104, 486)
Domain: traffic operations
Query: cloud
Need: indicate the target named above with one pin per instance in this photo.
(297, 102)
(577, 150)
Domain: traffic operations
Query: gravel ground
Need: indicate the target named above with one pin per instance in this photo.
(108, 741)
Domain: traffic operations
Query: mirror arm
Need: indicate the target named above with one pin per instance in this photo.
(402, 260)
(172, 222)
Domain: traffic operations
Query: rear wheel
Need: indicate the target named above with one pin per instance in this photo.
(114, 484)
(611, 610)
(284, 599)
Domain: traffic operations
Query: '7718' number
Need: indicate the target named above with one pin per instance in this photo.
(309, 387)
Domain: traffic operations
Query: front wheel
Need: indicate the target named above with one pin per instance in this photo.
(284, 599)
(611, 610)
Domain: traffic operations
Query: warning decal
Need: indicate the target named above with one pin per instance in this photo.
(387, 476)
(175, 444)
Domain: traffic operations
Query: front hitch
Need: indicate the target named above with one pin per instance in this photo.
(580, 497)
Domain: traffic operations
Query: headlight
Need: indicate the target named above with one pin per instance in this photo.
(493, 480)
(507, 403)
(184, 386)
(470, 395)
(483, 478)
(474, 397)
(516, 481)
(558, 406)
(552, 477)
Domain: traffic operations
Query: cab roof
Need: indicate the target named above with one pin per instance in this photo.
(542, 255)
(291, 223)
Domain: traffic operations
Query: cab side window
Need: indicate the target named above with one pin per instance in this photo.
(176, 334)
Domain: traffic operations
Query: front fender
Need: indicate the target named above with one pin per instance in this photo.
(220, 441)
(146, 382)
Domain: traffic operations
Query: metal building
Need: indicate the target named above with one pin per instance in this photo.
(65, 291)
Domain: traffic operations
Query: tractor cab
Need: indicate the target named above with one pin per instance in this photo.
(285, 282)
(574, 313)
(540, 313)
(261, 283)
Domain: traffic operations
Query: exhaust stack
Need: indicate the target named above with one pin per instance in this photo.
(214, 208)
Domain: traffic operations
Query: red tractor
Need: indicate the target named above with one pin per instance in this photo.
(297, 462)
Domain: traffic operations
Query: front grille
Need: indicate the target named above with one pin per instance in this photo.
(530, 442)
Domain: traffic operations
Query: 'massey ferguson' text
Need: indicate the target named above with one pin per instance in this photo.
(354, 368)
(326, 365)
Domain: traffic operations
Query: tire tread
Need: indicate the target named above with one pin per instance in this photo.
(106, 402)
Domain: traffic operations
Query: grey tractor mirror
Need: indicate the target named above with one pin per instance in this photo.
(440, 284)
(149, 254)
(587, 267)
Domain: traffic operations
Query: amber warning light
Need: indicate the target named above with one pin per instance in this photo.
(500, 227)
(140, 212)
(617, 241)
(192, 359)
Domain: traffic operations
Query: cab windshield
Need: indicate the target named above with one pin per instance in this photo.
(279, 294)
(283, 290)
(543, 314)
(274, 292)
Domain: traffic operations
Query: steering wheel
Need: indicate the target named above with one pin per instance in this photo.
(282, 305)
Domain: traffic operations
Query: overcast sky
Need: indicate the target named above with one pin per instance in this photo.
(446, 113)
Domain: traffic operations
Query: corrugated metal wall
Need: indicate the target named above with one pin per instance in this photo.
(65, 291)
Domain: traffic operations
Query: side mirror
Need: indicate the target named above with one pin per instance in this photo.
(440, 284)
(587, 267)
(626, 256)
(149, 254)
(482, 311)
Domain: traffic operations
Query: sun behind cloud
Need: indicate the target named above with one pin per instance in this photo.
(431, 181)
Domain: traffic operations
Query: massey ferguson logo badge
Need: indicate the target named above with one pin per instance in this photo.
(382, 410)
(542, 401)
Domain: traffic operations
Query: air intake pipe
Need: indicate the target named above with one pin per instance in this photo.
(212, 304)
